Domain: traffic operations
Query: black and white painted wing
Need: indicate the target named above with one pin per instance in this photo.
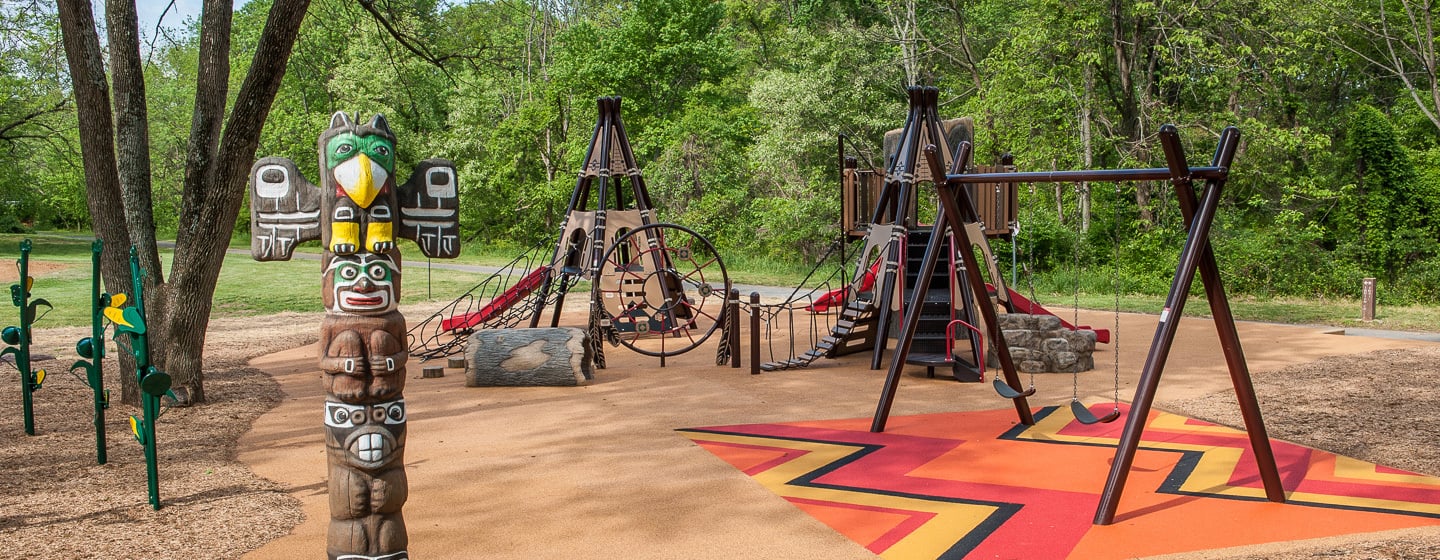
(430, 209)
(284, 209)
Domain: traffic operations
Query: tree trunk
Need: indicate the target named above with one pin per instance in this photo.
(904, 31)
(558, 357)
(97, 152)
(213, 200)
(215, 175)
(132, 129)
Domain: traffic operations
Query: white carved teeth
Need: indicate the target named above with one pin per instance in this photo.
(370, 447)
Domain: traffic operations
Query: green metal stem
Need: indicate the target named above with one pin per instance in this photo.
(150, 404)
(152, 472)
(22, 352)
(94, 373)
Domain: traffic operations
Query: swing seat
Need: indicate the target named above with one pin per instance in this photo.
(1009, 392)
(1083, 415)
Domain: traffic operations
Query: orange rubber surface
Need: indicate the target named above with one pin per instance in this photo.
(979, 485)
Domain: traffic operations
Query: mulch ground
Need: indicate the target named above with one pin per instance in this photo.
(59, 503)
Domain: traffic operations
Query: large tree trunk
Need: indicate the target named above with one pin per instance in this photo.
(97, 151)
(132, 129)
(213, 200)
(215, 173)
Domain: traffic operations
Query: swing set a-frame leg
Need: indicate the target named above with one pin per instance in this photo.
(1196, 255)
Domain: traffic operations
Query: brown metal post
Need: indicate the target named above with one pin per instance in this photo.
(1160, 345)
(947, 219)
(1220, 307)
(955, 203)
(732, 311)
(908, 326)
(754, 333)
(578, 198)
(899, 178)
(1367, 299)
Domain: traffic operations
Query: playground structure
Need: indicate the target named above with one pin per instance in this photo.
(889, 279)
(130, 322)
(356, 213)
(658, 289)
(17, 338)
(882, 208)
(92, 349)
(1196, 257)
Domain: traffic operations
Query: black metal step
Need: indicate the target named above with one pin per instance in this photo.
(852, 316)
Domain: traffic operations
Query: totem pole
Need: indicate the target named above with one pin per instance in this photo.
(356, 212)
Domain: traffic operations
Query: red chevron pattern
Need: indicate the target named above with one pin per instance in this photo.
(977, 485)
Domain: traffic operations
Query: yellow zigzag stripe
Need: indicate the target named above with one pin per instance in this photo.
(1217, 464)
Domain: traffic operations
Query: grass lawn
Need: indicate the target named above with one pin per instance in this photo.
(247, 287)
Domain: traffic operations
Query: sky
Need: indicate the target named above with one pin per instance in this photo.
(149, 13)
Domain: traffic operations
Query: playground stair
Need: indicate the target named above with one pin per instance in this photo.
(853, 332)
(929, 346)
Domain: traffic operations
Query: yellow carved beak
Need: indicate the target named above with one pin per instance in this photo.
(357, 177)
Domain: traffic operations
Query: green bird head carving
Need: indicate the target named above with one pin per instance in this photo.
(360, 159)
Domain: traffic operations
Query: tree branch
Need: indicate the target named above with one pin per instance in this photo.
(28, 119)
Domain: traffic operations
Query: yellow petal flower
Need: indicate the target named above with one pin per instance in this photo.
(117, 316)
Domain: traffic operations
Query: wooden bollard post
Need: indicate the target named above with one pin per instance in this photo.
(734, 317)
(1367, 300)
(455, 363)
(754, 333)
(431, 372)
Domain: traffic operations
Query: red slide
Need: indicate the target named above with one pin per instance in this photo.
(498, 305)
(837, 295)
(1026, 306)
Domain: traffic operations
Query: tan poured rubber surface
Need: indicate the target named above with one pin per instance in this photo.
(599, 471)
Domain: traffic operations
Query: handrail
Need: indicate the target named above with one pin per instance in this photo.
(950, 344)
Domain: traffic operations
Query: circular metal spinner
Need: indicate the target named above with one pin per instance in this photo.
(663, 287)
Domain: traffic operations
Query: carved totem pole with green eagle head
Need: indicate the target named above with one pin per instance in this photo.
(357, 212)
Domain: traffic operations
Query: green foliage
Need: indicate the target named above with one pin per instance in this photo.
(1385, 215)
(38, 148)
(734, 108)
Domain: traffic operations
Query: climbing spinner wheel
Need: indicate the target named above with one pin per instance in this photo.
(662, 289)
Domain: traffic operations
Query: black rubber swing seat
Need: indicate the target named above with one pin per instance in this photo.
(1009, 392)
(1083, 415)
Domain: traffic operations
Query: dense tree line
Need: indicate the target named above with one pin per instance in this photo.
(734, 107)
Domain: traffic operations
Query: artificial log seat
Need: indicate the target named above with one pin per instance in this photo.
(543, 357)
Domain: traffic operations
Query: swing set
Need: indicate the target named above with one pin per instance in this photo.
(1196, 256)
(1078, 409)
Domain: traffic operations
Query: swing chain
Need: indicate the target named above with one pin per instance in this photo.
(1075, 271)
(1115, 278)
(1030, 269)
